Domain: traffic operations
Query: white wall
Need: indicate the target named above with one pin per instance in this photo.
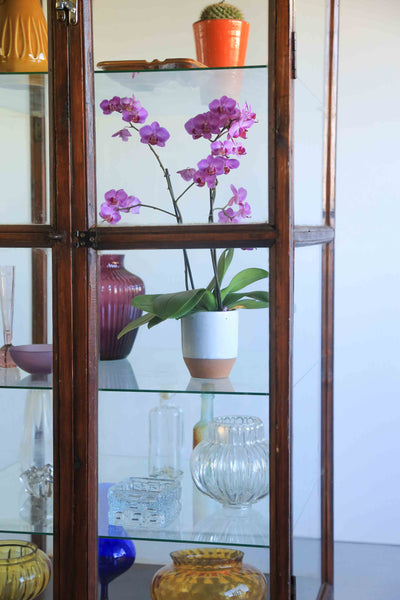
(367, 333)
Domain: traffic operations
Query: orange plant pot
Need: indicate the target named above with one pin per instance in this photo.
(221, 42)
(23, 36)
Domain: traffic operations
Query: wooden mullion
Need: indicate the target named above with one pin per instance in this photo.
(26, 236)
(180, 236)
(281, 295)
(65, 541)
(328, 256)
(85, 303)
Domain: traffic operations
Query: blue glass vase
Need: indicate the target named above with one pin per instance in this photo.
(115, 556)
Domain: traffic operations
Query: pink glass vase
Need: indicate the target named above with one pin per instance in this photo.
(117, 288)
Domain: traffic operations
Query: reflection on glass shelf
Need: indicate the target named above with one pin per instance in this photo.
(149, 369)
(196, 521)
(231, 526)
(171, 99)
(249, 376)
(16, 378)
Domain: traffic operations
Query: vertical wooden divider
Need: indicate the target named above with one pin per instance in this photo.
(280, 104)
(74, 308)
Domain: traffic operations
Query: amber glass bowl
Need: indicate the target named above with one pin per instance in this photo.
(209, 573)
(24, 570)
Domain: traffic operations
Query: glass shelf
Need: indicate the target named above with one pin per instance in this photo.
(169, 70)
(200, 521)
(152, 370)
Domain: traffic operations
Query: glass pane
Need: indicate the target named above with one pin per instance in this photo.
(155, 361)
(157, 412)
(24, 148)
(154, 30)
(309, 111)
(139, 169)
(26, 433)
(307, 423)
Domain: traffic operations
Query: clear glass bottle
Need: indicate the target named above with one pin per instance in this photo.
(165, 439)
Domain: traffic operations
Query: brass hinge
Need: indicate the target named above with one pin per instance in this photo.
(294, 59)
(70, 7)
(85, 239)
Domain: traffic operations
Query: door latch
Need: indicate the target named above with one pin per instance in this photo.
(70, 7)
(85, 239)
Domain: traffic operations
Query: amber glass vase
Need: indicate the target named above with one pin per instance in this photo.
(205, 574)
(24, 570)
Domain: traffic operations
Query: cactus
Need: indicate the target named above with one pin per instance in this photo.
(221, 10)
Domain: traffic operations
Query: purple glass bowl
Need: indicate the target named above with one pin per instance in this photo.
(34, 358)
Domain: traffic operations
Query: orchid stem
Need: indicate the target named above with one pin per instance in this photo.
(213, 252)
(188, 270)
(177, 213)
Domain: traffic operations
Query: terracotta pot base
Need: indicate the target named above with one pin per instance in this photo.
(209, 368)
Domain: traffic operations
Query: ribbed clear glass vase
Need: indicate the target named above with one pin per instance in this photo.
(232, 464)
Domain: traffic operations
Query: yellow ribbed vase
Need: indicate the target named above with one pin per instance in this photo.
(208, 574)
(23, 36)
(24, 570)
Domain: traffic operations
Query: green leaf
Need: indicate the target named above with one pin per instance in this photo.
(223, 265)
(145, 302)
(135, 324)
(248, 304)
(243, 279)
(208, 302)
(233, 298)
(177, 305)
(154, 321)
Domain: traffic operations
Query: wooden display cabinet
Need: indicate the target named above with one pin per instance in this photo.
(74, 237)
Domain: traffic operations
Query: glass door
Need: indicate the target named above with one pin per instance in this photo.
(26, 357)
(182, 185)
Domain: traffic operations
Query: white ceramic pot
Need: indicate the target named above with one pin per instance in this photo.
(210, 343)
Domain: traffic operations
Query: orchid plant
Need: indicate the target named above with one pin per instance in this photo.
(224, 127)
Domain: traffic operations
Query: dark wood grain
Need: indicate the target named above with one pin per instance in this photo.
(312, 235)
(66, 542)
(328, 258)
(280, 104)
(26, 236)
(85, 305)
(180, 236)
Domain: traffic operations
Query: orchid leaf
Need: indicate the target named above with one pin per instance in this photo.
(177, 305)
(224, 262)
(234, 298)
(243, 279)
(247, 303)
(145, 302)
(135, 324)
(208, 302)
(154, 321)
